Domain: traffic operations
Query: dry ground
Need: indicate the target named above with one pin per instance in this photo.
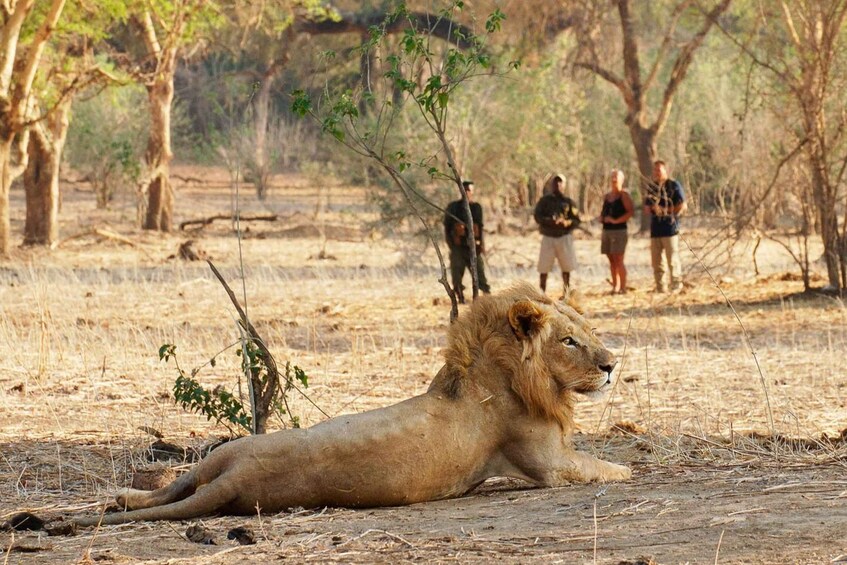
(362, 313)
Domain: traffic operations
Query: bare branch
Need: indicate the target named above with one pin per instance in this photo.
(610, 77)
(350, 22)
(683, 61)
(663, 48)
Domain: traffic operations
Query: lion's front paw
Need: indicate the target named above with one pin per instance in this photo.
(121, 497)
(617, 473)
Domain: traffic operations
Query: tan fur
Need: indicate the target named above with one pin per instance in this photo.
(502, 405)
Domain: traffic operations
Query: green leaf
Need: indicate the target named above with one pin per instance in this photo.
(167, 351)
(492, 24)
(302, 104)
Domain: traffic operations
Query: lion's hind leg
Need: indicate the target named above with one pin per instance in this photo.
(134, 499)
(213, 497)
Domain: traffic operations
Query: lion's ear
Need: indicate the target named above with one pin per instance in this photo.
(572, 299)
(527, 320)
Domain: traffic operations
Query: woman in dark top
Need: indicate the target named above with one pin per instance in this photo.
(617, 209)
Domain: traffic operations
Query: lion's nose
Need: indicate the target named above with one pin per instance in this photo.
(608, 367)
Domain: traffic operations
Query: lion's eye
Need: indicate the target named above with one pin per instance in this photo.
(569, 341)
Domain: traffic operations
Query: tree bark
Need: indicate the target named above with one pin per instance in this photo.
(157, 157)
(6, 178)
(261, 125)
(828, 218)
(41, 178)
(644, 141)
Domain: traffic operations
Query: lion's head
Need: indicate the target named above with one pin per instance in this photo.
(546, 347)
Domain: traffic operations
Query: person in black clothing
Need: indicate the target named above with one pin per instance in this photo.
(455, 232)
(617, 209)
(556, 215)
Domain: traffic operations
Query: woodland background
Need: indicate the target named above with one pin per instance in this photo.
(742, 98)
(139, 136)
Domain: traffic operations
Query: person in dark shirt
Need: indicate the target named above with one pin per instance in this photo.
(617, 209)
(455, 233)
(665, 202)
(557, 216)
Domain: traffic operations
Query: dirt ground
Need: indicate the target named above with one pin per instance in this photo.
(700, 387)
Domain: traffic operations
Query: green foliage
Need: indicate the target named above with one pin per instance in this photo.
(106, 139)
(217, 404)
(222, 406)
(400, 120)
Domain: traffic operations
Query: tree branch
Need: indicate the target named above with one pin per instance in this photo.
(631, 58)
(36, 49)
(683, 61)
(663, 48)
(352, 22)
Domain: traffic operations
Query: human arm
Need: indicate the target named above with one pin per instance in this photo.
(544, 213)
(479, 233)
(571, 217)
(679, 201)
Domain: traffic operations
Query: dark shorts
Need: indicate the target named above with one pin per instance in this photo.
(613, 242)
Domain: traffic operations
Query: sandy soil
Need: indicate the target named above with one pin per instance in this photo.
(363, 314)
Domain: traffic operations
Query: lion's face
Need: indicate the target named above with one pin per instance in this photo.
(559, 341)
(575, 357)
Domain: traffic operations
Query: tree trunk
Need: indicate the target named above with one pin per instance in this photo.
(828, 218)
(5, 184)
(157, 158)
(644, 143)
(41, 178)
(261, 119)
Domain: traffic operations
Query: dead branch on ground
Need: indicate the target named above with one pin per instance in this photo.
(202, 222)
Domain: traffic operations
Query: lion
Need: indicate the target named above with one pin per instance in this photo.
(501, 406)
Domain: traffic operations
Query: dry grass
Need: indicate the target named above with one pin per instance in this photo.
(80, 328)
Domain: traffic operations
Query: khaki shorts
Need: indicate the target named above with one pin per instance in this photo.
(557, 248)
(613, 242)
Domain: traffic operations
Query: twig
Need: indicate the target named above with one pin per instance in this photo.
(267, 357)
(718, 550)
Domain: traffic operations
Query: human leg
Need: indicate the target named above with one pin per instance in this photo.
(621, 274)
(674, 263)
(566, 258)
(546, 255)
(613, 270)
(457, 272)
(618, 282)
(480, 274)
(605, 244)
(658, 266)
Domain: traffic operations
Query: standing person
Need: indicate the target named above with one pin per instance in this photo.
(557, 216)
(455, 232)
(617, 209)
(665, 201)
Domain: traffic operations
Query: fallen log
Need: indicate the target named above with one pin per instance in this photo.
(202, 222)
